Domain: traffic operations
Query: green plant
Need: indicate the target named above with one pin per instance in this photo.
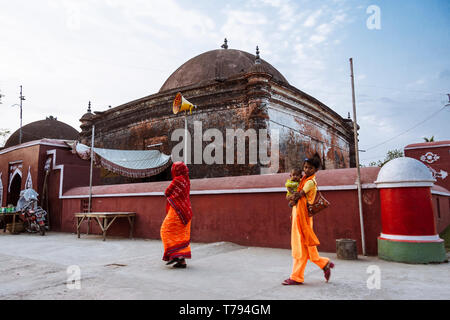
(391, 154)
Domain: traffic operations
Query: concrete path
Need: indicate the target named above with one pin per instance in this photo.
(39, 267)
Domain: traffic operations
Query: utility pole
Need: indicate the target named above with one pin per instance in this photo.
(20, 131)
(92, 165)
(358, 171)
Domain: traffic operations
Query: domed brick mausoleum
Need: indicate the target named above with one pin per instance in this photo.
(22, 164)
(50, 128)
(233, 90)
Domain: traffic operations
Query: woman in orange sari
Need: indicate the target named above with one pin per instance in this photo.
(304, 241)
(176, 228)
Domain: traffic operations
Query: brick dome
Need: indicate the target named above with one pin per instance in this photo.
(49, 128)
(217, 65)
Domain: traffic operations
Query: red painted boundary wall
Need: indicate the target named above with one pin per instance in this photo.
(247, 210)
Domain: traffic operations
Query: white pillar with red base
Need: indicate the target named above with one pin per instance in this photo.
(407, 220)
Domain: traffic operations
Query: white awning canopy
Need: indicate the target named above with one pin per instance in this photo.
(129, 163)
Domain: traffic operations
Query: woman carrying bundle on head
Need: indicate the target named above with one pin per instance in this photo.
(176, 228)
(304, 242)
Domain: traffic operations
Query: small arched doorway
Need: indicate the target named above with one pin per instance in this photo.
(14, 189)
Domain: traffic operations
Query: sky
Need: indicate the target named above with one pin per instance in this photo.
(66, 53)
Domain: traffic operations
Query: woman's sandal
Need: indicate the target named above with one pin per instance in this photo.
(179, 265)
(172, 261)
(327, 270)
(289, 282)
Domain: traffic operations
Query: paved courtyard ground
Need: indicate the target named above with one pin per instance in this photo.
(42, 267)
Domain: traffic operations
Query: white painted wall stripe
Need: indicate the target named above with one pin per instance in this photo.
(440, 193)
(220, 191)
(223, 191)
(434, 238)
(57, 167)
(404, 184)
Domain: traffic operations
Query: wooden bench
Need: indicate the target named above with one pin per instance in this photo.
(104, 225)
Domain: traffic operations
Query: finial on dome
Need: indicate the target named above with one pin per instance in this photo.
(89, 107)
(225, 44)
(257, 59)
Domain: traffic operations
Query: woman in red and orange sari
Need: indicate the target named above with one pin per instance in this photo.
(304, 241)
(176, 228)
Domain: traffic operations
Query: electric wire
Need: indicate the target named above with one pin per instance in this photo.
(413, 127)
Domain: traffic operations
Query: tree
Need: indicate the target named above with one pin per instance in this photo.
(391, 154)
(429, 139)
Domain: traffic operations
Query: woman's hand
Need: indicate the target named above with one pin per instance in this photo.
(296, 196)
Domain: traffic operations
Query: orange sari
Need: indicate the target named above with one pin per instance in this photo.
(304, 241)
(175, 237)
(176, 229)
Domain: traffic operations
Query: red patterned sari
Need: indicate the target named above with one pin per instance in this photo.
(176, 228)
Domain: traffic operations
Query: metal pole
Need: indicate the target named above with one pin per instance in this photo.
(20, 130)
(185, 138)
(92, 163)
(358, 179)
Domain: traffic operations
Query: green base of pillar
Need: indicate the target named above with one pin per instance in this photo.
(412, 252)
